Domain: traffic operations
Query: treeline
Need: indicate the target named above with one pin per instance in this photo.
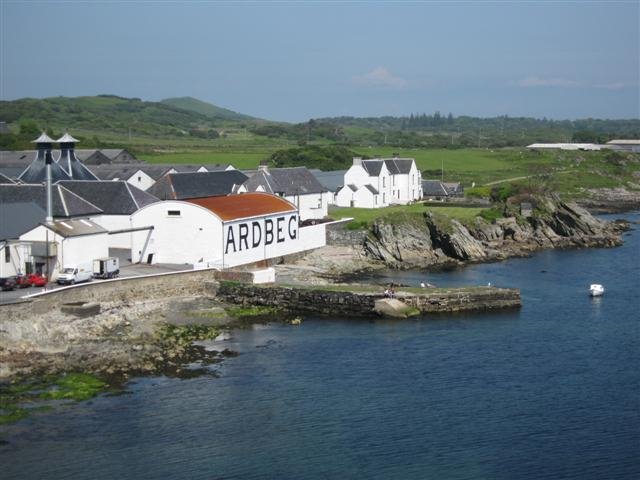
(330, 157)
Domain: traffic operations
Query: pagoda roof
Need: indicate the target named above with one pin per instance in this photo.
(66, 138)
(43, 138)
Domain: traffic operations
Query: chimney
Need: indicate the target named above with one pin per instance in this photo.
(47, 160)
(357, 161)
(396, 155)
(263, 167)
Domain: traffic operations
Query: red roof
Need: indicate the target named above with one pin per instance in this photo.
(254, 204)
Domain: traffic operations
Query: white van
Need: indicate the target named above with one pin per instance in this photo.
(74, 274)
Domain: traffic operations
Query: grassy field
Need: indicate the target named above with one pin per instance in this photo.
(566, 172)
(365, 217)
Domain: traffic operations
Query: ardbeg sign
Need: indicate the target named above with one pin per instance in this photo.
(252, 234)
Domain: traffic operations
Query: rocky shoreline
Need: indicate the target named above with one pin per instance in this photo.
(131, 334)
(432, 242)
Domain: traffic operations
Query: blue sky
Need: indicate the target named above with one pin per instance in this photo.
(295, 61)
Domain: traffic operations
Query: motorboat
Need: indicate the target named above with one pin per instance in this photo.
(596, 290)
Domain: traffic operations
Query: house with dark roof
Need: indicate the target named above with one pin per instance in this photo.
(438, 190)
(296, 184)
(15, 220)
(363, 196)
(183, 186)
(106, 156)
(332, 180)
(27, 247)
(397, 180)
(65, 203)
(117, 200)
(69, 243)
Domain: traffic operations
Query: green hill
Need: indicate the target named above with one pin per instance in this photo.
(207, 109)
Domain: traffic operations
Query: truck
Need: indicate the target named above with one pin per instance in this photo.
(71, 274)
(106, 267)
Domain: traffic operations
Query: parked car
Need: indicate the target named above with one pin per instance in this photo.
(37, 280)
(21, 281)
(7, 283)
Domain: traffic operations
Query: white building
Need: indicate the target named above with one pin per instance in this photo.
(629, 145)
(66, 243)
(223, 231)
(365, 196)
(296, 184)
(396, 181)
(117, 200)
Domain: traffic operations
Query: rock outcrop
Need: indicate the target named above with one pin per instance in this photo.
(438, 241)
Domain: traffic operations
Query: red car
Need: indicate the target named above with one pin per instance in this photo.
(22, 281)
(37, 280)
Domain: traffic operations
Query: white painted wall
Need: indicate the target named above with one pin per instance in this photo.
(344, 197)
(112, 223)
(311, 205)
(18, 254)
(192, 236)
(76, 251)
(198, 236)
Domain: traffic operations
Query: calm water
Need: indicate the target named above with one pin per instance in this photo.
(551, 391)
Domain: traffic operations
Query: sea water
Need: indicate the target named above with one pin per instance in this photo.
(548, 391)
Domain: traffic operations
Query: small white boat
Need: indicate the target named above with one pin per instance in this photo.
(596, 290)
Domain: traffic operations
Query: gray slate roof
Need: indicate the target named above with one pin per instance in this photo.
(75, 228)
(18, 218)
(372, 189)
(181, 186)
(11, 172)
(285, 181)
(115, 171)
(5, 179)
(36, 172)
(395, 166)
(434, 188)
(72, 165)
(66, 204)
(112, 197)
(331, 180)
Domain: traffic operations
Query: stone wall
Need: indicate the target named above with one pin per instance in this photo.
(330, 302)
(337, 234)
(122, 290)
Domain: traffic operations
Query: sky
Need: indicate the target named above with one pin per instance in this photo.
(291, 61)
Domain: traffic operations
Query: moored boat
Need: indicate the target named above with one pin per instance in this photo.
(596, 290)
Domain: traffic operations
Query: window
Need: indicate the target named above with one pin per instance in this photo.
(139, 178)
(384, 181)
(173, 213)
(7, 254)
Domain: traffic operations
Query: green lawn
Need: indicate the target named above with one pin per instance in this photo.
(365, 217)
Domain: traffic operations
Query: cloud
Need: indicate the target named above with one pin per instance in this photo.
(616, 85)
(380, 76)
(547, 82)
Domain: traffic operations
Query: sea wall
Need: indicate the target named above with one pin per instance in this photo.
(345, 302)
(122, 290)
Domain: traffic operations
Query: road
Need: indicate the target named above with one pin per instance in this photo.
(130, 270)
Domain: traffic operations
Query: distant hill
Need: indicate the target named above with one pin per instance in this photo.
(207, 109)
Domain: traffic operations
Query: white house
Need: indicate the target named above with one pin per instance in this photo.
(221, 231)
(66, 243)
(396, 181)
(118, 200)
(297, 185)
(365, 196)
